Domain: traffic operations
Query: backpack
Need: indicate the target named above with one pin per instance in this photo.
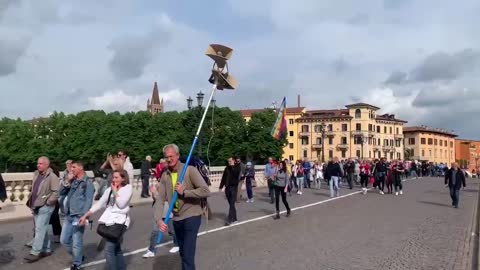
(201, 167)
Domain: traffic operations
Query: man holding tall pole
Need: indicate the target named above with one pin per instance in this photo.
(187, 210)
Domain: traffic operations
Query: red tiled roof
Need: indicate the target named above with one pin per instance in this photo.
(326, 114)
(428, 130)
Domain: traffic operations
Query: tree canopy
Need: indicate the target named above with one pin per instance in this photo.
(90, 135)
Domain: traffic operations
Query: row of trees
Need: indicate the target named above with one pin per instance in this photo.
(91, 135)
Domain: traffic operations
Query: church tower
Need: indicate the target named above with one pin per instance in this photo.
(154, 105)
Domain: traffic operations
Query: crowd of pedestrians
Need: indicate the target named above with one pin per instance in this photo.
(71, 196)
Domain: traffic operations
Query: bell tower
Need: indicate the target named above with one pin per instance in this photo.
(155, 105)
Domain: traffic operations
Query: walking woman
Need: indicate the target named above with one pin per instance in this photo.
(116, 199)
(299, 175)
(364, 174)
(249, 178)
(280, 186)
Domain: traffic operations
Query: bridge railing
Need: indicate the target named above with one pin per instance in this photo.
(18, 185)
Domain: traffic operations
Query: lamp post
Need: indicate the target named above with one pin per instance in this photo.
(189, 103)
(200, 96)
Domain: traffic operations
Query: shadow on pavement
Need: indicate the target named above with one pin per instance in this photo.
(6, 255)
(264, 211)
(435, 203)
(167, 261)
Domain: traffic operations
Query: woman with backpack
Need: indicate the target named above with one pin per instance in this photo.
(280, 186)
(115, 219)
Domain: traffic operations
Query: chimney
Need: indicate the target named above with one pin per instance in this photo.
(298, 101)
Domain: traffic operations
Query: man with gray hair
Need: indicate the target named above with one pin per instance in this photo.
(187, 211)
(145, 173)
(42, 200)
(454, 179)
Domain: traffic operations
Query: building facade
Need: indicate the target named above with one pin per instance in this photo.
(467, 154)
(354, 132)
(155, 105)
(430, 144)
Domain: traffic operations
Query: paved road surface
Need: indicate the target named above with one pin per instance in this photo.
(419, 230)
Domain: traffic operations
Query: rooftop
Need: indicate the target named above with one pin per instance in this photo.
(291, 110)
(427, 129)
(362, 105)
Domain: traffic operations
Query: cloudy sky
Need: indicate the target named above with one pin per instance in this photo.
(417, 59)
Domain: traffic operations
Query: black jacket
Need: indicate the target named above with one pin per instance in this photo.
(3, 190)
(231, 176)
(333, 169)
(460, 179)
(146, 168)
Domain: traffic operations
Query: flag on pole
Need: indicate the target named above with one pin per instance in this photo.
(280, 127)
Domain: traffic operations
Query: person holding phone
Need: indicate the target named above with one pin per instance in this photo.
(116, 200)
(79, 190)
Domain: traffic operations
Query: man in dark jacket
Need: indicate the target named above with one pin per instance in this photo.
(146, 171)
(230, 179)
(454, 179)
(334, 172)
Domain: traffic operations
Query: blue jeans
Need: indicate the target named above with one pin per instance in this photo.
(72, 239)
(300, 183)
(186, 231)
(334, 189)
(248, 186)
(114, 255)
(41, 242)
(455, 195)
(145, 184)
(154, 235)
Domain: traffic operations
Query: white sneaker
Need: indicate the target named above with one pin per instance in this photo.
(401, 192)
(247, 201)
(396, 193)
(381, 192)
(149, 254)
(174, 250)
(300, 193)
(251, 200)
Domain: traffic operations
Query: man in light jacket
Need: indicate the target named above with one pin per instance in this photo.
(187, 210)
(42, 200)
(79, 190)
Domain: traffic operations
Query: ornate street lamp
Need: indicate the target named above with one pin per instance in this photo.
(189, 103)
(214, 101)
(200, 96)
(322, 131)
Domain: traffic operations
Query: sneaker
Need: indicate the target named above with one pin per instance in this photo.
(300, 193)
(247, 201)
(396, 193)
(174, 250)
(56, 239)
(74, 267)
(251, 200)
(401, 192)
(30, 258)
(149, 254)
(288, 213)
(381, 192)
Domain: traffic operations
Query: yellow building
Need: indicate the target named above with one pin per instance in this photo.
(343, 131)
(356, 132)
(430, 144)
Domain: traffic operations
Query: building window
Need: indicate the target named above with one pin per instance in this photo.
(305, 153)
(358, 113)
(398, 155)
(305, 128)
(330, 140)
(411, 141)
(319, 140)
(385, 142)
(358, 154)
(379, 142)
(290, 158)
(318, 128)
(398, 143)
(385, 130)
(290, 145)
(330, 154)
(423, 153)
(330, 127)
(423, 141)
(370, 127)
(358, 127)
(451, 144)
(291, 133)
(441, 142)
(344, 140)
(290, 121)
(344, 127)
(398, 131)
(370, 154)
(435, 142)
(430, 141)
(446, 143)
(304, 140)
(344, 154)
(391, 130)
(378, 129)
(391, 142)
(430, 152)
